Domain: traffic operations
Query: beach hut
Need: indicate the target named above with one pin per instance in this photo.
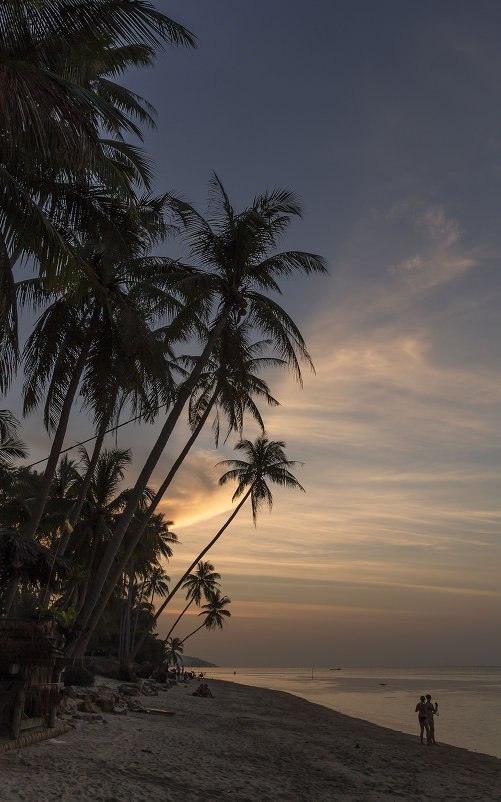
(31, 662)
(25, 560)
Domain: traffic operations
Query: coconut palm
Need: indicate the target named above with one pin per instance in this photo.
(198, 585)
(83, 330)
(214, 612)
(113, 383)
(11, 447)
(57, 98)
(23, 559)
(238, 265)
(174, 650)
(142, 575)
(266, 462)
(229, 383)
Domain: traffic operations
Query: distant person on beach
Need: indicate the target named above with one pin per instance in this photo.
(431, 712)
(203, 691)
(423, 719)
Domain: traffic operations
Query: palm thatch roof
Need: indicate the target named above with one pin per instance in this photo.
(27, 559)
(24, 642)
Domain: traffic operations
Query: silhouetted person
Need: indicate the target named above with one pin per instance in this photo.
(431, 711)
(423, 719)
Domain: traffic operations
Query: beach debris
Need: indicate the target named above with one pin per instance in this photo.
(157, 712)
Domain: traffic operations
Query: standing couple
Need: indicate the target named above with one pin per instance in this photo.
(426, 711)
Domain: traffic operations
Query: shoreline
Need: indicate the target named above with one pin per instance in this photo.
(248, 744)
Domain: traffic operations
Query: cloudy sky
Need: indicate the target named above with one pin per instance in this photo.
(385, 119)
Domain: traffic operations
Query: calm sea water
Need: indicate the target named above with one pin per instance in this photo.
(469, 698)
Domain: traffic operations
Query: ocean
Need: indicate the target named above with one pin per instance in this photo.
(469, 699)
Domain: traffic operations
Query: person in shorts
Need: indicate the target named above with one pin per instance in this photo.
(424, 725)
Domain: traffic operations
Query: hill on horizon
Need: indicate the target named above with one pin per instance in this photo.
(196, 662)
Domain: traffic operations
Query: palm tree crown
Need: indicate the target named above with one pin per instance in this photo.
(237, 263)
(214, 613)
(266, 462)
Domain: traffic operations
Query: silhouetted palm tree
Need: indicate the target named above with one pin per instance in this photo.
(266, 462)
(230, 383)
(11, 447)
(58, 100)
(82, 331)
(174, 650)
(237, 267)
(214, 612)
(198, 585)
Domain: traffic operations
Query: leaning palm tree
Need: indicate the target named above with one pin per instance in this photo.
(229, 383)
(198, 585)
(81, 330)
(58, 97)
(214, 612)
(266, 462)
(238, 267)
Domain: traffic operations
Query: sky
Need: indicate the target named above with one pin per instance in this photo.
(385, 118)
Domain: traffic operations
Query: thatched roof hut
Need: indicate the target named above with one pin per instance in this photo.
(30, 666)
(28, 559)
(24, 643)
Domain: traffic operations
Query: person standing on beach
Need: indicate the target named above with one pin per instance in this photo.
(423, 719)
(431, 710)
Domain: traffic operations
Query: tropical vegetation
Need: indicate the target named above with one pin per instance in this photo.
(118, 331)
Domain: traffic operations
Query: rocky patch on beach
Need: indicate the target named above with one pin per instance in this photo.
(88, 704)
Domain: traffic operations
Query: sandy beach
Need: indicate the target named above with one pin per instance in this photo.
(245, 745)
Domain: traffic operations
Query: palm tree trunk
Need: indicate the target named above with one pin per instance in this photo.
(82, 495)
(190, 569)
(176, 622)
(192, 633)
(128, 620)
(57, 443)
(150, 464)
(136, 617)
(119, 567)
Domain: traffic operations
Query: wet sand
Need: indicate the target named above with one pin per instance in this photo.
(245, 745)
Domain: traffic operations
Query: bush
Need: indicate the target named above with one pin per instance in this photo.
(78, 675)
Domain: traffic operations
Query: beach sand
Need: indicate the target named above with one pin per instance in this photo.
(245, 745)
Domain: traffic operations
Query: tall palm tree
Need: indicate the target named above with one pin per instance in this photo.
(214, 612)
(266, 462)
(230, 383)
(198, 585)
(80, 331)
(58, 62)
(116, 381)
(238, 265)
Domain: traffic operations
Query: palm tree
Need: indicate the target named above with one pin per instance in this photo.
(142, 574)
(214, 612)
(174, 650)
(112, 383)
(103, 504)
(229, 383)
(266, 462)
(57, 98)
(11, 447)
(83, 330)
(198, 585)
(237, 266)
